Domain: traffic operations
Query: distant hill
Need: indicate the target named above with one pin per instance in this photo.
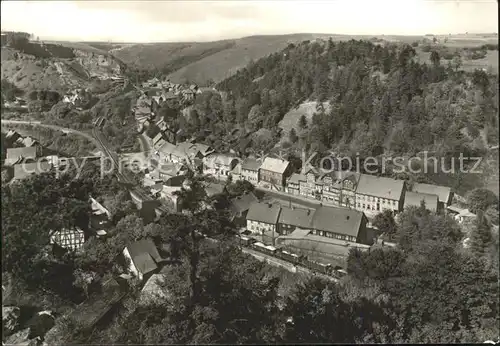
(176, 55)
(200, 62)
(225, 63)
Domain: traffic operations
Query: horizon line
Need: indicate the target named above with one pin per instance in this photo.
(378, 35)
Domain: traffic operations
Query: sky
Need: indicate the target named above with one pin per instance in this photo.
(164, 21)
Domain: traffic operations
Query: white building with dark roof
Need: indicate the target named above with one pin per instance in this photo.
(340, 223)
(262, 219)
(273, 172)
(376, 194)
(250, 170)
(219, 165)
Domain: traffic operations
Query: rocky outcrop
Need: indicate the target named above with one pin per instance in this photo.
(98, 64)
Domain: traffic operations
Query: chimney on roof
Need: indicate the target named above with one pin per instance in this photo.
(270, 205)
(308, 211)
(347, 217)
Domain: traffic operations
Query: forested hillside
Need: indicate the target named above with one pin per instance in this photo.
(380, 98)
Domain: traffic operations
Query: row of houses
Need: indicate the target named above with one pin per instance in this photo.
(24, 162)
(325, 233)
(156, 87)
(155, 93)
(272, 221)
(366, 192)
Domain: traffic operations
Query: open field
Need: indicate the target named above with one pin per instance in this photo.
(490, 61)
(158, 55)
(79, 46)
(291, 119)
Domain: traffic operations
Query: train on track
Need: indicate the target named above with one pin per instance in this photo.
(297, 260)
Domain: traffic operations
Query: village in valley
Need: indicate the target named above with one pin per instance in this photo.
(301, 221)
(145, 236)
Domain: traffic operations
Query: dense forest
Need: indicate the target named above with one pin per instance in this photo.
(378, 99)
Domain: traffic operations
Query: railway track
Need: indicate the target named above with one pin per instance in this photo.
(138, 191)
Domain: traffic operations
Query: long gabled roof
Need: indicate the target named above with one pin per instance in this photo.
(297, 217)
(443, 192)
(264, 212)
(337, 220)
(380, 187)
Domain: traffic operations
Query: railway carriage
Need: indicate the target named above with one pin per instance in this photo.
(269, 250)
(290, 257)
(317, 267)
(245, 241)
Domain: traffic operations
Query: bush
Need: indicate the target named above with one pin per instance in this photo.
(489, 46)
(426, 48)
(480, 199)
(10, 91)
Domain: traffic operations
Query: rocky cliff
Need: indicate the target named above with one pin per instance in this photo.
(60, 69)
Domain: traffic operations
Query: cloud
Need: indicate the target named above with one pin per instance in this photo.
(178, 11)
(150, 21)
